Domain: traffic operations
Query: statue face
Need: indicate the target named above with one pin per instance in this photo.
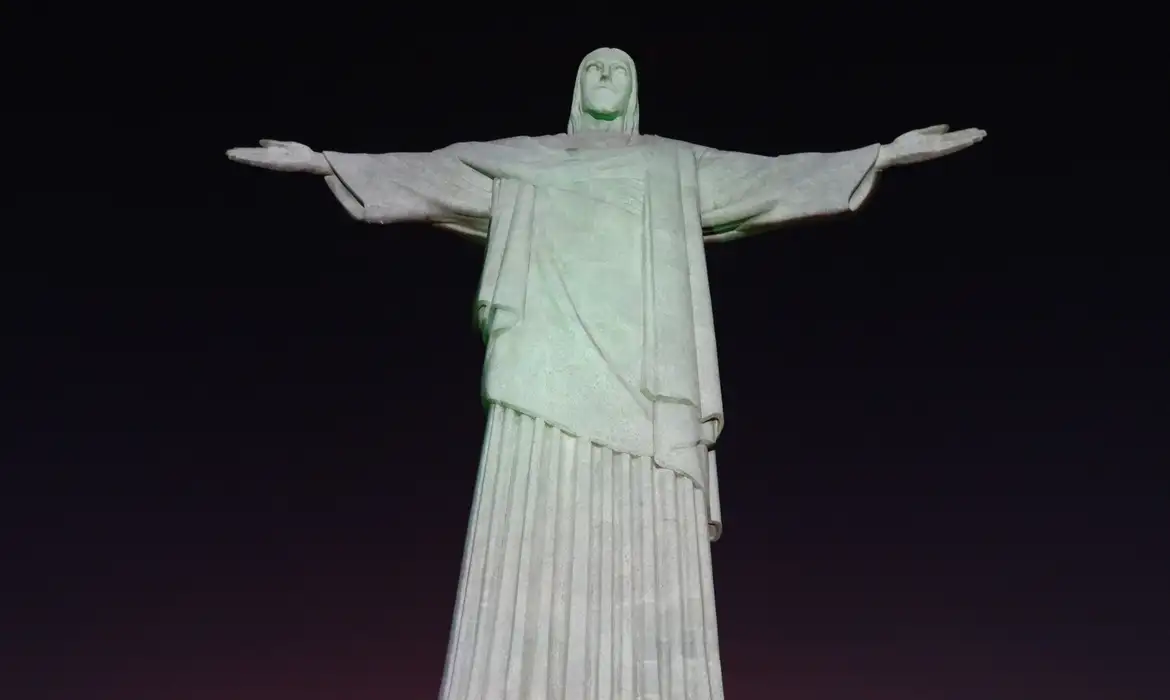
(606, 85)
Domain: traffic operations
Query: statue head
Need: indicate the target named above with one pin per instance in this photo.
(605, 97)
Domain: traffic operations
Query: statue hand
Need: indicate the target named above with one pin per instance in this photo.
(285, 156)
(927, 144)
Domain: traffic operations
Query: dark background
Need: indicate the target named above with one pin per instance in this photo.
(241, 430)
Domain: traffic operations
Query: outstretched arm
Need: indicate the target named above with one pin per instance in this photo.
(742, 194)
(434, 187)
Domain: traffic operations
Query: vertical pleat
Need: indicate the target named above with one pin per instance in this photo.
(577, 659)
(607, 551)
(514, 555)
(586, 576)
(646, 607)
(462, 643)
(563, 553)
(625, 609)
(694, 652)
(537, 630)
(496, 514)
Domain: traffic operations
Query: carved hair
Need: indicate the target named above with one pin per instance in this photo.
(629, 118)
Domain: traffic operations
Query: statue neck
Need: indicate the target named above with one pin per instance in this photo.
(592, 123)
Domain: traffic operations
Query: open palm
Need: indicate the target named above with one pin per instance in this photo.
(284, 156)
(927, 144)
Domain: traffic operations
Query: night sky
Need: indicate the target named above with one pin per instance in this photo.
(241, 430)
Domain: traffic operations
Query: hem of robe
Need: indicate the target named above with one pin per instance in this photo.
(710, 489)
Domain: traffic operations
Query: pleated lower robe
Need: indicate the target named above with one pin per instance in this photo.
(586, 576)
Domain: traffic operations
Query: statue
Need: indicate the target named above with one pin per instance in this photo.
(587, 569)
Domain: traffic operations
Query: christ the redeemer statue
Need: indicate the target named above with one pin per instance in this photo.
(587, 570)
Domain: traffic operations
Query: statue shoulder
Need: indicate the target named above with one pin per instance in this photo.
(548, 140)
(509, 142)
(663, 141)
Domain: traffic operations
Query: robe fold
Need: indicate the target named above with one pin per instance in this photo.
(594, 301)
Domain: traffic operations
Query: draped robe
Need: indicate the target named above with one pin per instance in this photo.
(594, 301)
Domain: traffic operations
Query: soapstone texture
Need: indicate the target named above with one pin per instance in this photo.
(587, 569)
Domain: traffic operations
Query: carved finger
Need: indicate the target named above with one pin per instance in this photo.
(271, 143)
(936, 129)
(973, 134)
(962, 139)
(261, 158)
(245, 155)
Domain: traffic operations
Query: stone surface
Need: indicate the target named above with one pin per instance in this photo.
(587, 570)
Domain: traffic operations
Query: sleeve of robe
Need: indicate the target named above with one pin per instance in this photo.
(434, 187)
(741, 194)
